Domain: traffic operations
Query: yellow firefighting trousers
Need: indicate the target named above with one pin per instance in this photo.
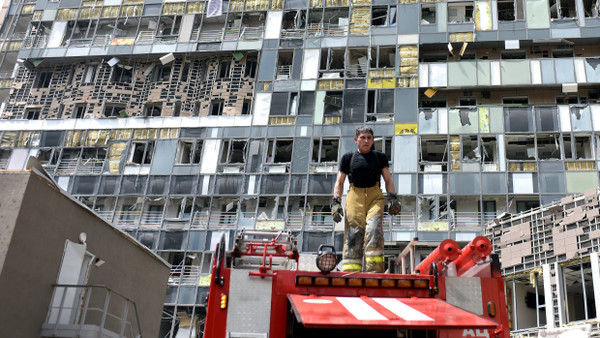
(363, 233)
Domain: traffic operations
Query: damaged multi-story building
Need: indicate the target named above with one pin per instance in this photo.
(551, 268)
(178, 121)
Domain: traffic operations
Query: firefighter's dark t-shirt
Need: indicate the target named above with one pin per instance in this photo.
(366, 169)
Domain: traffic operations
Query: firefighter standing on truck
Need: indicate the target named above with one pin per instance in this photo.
(363, 228)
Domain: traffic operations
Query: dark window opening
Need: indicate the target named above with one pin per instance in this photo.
(428, 14)
(114, 110)
(234, 151)
(189, 152)
(325, 150)
(224, 69)
(154, 109)
(216, 107)
(141, 152)
(33, 114)
(122, 74)
(279, 151)
(79, 111)
(43, 80)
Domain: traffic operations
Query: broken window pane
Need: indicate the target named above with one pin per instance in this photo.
(172, 240)
(141, 152)
(157, 185)
(325, 150)
(147, 238)
(520, 148)
(583, 147)
(428, 121)
(562, 9)
(133, 185)
(384, 144)
(321, 184)
(354, 106)
(581, 118)
(459, 12)
(548, 147)
(188, 152)
(228, 185)
(298, 184)
(590, 8)
(383, 16)
(434, 154)
(333, 103)
(279, 151)
(463, 120)
(274, 184)
(183, 185)
(489, 151)
(109, 185)
(179, 208)
(428, 14)
(85, 185)
(234, 151)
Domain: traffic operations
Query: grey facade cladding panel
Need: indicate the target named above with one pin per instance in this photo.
(408, 18)
(164, 157)
(407, 110)
(538, 34)
(513, 35)
(433, 38)
(486, 36)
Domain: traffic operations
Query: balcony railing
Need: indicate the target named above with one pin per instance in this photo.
(126, 219)
(90, 311)
(184, 275)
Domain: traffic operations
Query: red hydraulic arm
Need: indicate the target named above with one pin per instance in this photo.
(446, 252)
(475, 252)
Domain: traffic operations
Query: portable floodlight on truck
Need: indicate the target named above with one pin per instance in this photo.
(257, 290)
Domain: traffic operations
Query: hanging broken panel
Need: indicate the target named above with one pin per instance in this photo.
(463, 121)
(360, 20)
(592, 71)
(463, 73)
(428, 118)
(581, 119)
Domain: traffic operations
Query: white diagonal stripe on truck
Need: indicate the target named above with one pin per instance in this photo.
(359, 309)
(402, 310)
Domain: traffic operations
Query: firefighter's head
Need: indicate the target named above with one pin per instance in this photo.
(364, 139)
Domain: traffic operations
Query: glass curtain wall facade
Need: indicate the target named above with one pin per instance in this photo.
(177, 125)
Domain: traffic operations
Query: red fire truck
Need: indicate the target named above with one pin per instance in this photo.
(258, 290)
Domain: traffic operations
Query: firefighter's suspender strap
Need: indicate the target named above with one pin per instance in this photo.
(351, 167)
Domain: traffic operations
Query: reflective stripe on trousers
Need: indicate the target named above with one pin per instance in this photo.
(364, 230)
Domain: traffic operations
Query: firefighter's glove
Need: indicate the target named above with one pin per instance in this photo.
(336, 209)
(394, 205)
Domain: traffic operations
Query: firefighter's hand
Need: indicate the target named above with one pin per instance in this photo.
(336, 209)
(394, 205)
